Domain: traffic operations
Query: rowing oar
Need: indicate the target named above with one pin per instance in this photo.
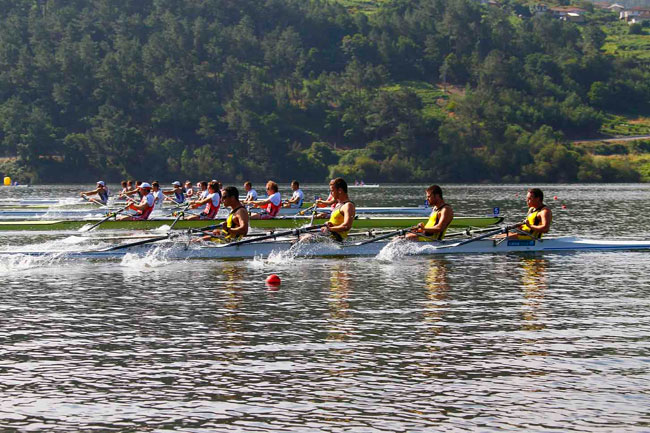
(109, 216)
(304, 211)
(483, 236)
(93, 201)
(180, 214)
(386, 236)
(150, 240)
(274, 235)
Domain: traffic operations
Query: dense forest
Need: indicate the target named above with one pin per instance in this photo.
(306, 89)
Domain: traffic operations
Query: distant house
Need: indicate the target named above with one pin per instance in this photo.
(562, 11)
(640, 19)
(617, 8)
(633, 15)
(568, 13)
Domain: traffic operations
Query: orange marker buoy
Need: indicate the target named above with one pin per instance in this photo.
(273, 280)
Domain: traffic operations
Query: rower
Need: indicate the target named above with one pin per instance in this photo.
(189, 192)
(158, 196)
(251, 194)
(101, 191)
(122, 193)
(132, 190)
(236, 225)
(144, 207)
(202, 189)
(177, 191)
(212, 202)
(295, 202)
(271, 206)
(340, 222)
(539, 218)
(331, 202)
(441, 215)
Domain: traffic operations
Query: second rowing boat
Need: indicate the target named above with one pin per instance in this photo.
(279, 222)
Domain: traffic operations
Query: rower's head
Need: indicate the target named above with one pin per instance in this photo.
(123, 183)
(534, 197)
(155, 185)
(188, 184)
(129, 183)
(338, 188)
(144, 187)
(230, 197)
(248, 185)
(434, 194)
(138, 183)
(100, 183)
(295, 185)
(213, 187)
(271, 187)
(176, 184)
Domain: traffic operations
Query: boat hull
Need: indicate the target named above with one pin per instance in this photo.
(281, 222)
(181, 250)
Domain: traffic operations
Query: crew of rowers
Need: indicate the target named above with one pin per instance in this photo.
(341, 218)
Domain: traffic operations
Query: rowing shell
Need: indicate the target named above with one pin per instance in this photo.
(279, 222)
(59, 213)
(180, 250)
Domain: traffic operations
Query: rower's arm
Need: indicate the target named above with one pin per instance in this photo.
(349, 211)
(94, 191)
(446, 215)
(261, 202)
(138, 206)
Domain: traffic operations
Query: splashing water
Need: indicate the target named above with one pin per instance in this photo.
(21, 262)
(154, 258)
(399, 248)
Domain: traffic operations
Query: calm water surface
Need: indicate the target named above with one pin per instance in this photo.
(547, 342)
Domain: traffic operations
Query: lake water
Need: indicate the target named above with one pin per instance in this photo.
(546, 342)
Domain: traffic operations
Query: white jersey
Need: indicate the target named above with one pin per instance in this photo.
(158, 198)
(149, 200)
(251, 195)
(300, 196)
(276, 199)
(204, 194)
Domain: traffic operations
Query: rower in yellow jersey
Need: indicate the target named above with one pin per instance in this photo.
(539, 218)
(440, 218)
(342, 217)
(236, 225)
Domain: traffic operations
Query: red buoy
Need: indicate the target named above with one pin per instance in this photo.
(273, 280)
(563, 206)
(554, 197)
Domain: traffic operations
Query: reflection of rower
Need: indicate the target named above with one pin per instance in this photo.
(440, 218)
(539, 218)
(101, 191)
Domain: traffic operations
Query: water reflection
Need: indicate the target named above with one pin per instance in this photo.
(233, 299)
(535, 285)
(437, 293)
(339, 322)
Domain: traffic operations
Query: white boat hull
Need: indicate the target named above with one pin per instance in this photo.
(180, 250)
